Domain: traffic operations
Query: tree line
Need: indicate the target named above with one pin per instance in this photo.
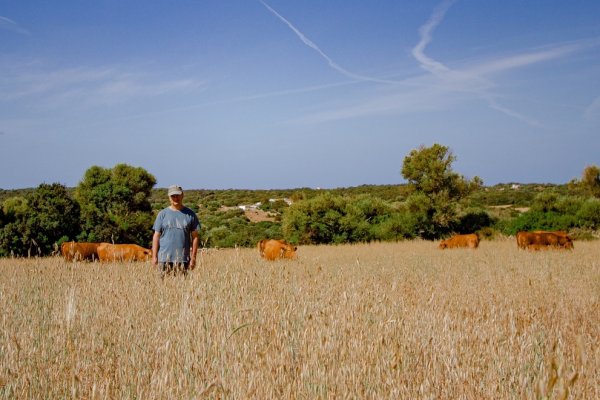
(118, 205)
(109, 205)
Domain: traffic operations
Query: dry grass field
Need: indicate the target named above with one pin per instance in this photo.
(378, 321)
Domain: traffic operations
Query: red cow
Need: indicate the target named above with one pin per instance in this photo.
(272, 249)
(469, 240)
(123, 252)
(540, 240)
(79, 251)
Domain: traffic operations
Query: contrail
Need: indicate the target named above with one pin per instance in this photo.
(313, 46)
(9, 24)
(529, 121)
(425, 32)
(462, 78)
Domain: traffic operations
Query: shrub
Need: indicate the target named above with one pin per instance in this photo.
(588, 215)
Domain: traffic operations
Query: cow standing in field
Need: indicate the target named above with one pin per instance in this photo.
(542, 240)
(123, 252)
(469, 240)
(273, 249)
(79, 251)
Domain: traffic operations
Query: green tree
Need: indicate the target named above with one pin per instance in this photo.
(590, 180)
(12, 241)
(13, 231)
(115, 204)
(316, 220)
(14, 208)
(473, 220)
(53, 216)
(435, 189)
(545, 202)
(35, 225)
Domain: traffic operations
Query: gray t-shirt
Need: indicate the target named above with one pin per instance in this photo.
(175, 228)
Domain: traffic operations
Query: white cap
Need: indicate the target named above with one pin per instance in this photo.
(175, 189)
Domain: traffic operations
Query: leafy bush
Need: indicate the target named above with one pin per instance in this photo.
(115, 205)
(588, 216)
(328, 218)
(473, 221)
(36, 224)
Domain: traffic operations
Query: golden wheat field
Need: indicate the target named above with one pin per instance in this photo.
(373, 321)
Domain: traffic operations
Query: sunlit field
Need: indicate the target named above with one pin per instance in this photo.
(376, 321)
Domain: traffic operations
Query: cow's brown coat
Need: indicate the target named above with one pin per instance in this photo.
(79, 251)
(273, 249)
(123, 252)
(469, 240)
(542, 240)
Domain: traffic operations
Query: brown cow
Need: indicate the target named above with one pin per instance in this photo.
(470, 240)
(559, 233)
(79, 251)
(123, 252)
(540, 240)
(272, 249)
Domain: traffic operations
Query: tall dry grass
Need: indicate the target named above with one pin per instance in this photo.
(373, 321)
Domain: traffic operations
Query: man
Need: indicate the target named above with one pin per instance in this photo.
(175, 232)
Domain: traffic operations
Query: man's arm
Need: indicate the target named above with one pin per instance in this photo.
(194, 251)
(155, 246)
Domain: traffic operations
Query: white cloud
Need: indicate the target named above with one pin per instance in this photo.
(102, 85)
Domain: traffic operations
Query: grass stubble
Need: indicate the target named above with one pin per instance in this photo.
(369, 321)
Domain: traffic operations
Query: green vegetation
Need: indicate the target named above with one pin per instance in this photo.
(109, 205)
(119, 204)
(435, 190)
(33, 224)
(115, 205)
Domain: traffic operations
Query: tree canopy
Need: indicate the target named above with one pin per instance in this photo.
(115, 204)
(590, 180)
(435, 188)
(34, 225)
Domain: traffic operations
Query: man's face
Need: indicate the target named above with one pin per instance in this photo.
(176, 199)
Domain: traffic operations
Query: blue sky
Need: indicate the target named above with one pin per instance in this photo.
(274, 94)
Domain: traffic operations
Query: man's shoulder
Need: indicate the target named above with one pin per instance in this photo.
(188, 210)
(163, 211)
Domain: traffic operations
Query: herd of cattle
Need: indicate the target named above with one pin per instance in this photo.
(273, 249)
(536, 240)
(269, 249)
(79, 251)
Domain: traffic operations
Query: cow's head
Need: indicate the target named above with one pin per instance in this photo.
(289, 251)
(566, 242)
